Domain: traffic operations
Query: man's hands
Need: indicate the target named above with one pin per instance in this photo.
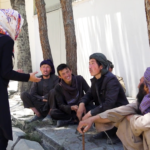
(44, 100)
(87, 120)
(86, 124)
(81, 110)
(87, 116)
(74, 108)
(33, 78)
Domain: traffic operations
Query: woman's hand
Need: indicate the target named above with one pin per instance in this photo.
(33, 78)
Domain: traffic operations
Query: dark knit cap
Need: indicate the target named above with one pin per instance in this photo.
(102, 59)
(50, 63)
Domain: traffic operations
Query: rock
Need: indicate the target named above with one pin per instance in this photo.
(17, 134)
(27, 145)
(19, 114)
(13, 86)
(23, 113)
(11, 92)
(66, 139)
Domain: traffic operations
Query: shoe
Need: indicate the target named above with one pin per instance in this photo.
(35, 118)
(48, 119)
(113, 140)
(100, 135)
(61, 123)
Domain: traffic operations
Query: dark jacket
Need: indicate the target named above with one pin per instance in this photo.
(61, 101)
(106, 93)
(6, 74)
(38, 90)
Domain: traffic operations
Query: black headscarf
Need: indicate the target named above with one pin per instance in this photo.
(50, 63)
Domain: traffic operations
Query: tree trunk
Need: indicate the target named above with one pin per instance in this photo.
(41, 12)
(147, 9)
(23, 55)
(71, 45)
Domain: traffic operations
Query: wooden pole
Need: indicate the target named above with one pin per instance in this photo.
(83, 141)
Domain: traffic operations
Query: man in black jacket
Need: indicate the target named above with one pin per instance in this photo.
(106, 91)
(67, 95)
(37, 99)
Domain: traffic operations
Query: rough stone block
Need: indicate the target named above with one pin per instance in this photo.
(66, 139)
(17, 134)
(27, 145)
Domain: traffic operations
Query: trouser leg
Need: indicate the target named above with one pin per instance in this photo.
(51, 99)
(112, 132)
(59, 115)
(30, 101)
(3, 141)
(27, 100)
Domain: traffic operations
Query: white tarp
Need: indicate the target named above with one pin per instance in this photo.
(118, 29)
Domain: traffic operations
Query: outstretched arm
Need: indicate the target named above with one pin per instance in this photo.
(6, 67)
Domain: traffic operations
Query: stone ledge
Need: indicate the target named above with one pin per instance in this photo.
(17, 134)
(65, 139)
(27, 145)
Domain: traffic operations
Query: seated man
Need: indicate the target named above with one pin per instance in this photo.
(67, 95)
(106, 91)
(132, 120)
(120, 79)
(38, 96)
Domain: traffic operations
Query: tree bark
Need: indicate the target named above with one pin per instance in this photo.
(71, 45)
(41, 12)
(147, 9)
(23, 55)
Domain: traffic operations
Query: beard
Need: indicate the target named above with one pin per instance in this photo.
(140, 96)
(46, 75)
